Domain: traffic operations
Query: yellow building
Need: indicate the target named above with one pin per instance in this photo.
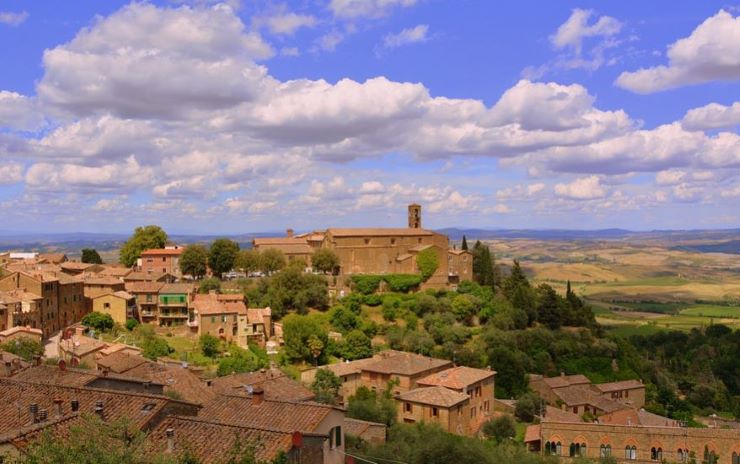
(120, 305)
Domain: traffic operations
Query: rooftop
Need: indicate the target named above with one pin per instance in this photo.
(211, 304)
(175, 378)
(402, 363)
(120, 361)
(565, 380)
(276, 385)
(617, 386)
(144, 286)
(378, 231)
(434, 396)
(457, 378)
(177, 288)
(163, 252)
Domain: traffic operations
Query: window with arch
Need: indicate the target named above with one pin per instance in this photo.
(582, 450)
(559, 449)
(630, 453)
(735, 458)
(605, 451)
(682, 455)
(656, 454)
(710, 457)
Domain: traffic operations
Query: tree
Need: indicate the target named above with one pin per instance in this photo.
(464, 243)
(25, 347)
(209, 345)
(91, 256)
(222, 255)
(144, 238)
(131, 324)
(248, 261)
(343, 319)
(528, 406)
(500, 428)
(194, 261)
(272, 260)
(511, 375)
(427, 261)
(98, 321)
(465, 307)
(483, 266)
(297, 331)
(357, 345)
(206, 285)
(326, 386)
(549, 307)
(325, 260)
(240, 360)
(368, 405)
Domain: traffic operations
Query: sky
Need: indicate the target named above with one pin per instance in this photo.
(247, 116)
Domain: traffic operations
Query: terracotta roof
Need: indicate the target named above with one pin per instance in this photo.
(402, 363)
(349, 367)
(176, 288)
(637, 417)
(139, 275)
(434, 396)
(136, 407)
(357, 427)
(455, 251)
(55, 376)
(175, 379)
(379, 231)
(121, 361)
(55, 258)
(118, 294)
(257, 315)
(457, 378)
(262, 241)
(212, 442)
(280, 415)
(76, 265)
(621, 385)
(565, 380)
(144, 286)
(532, 433)
(553, 414)
(103, 280)
(211, 304)
(579, 394)
(115, 271)
(17, 329)
(275, 384)
(81, 345)
(163, 252)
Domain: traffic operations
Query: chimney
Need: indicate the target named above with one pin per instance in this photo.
(170, 440)
(34, 410)
(43, 415)
(100, 409)
(258, 396)
(75, 405)
(289, 233)
(58, 402)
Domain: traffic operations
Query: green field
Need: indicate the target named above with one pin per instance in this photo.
(708, 310)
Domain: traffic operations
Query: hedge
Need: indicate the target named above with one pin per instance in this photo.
(368, 284)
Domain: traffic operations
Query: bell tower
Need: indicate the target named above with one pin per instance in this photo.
(414, 216)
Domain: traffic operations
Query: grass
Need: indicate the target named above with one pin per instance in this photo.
(708, 310)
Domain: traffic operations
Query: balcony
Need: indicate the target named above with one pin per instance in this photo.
(148, 313)
(173, 314)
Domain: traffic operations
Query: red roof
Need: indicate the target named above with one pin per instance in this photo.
(163, 252)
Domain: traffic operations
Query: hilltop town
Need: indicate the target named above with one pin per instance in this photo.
(327, 347)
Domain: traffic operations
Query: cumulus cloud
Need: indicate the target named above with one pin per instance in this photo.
(407, 36)
(12, 18)
(584, 188)
(710, 53)
(11, 173)
(572, 32)
(712, 116)
(352, 9)
(287, 23)
(19, 112)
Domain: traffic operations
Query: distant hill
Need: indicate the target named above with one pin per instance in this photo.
(732, 247)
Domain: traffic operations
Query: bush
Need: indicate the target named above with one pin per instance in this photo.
(240, 360)
(326, 386)
(402, 282)
(366, 284)
(528, 406)
(155, 347)
(368, 405)
(500, 429)
(373, 300)
(98, 321)
(131, 324)
(24, 347)
(206, 285)
(209, 345)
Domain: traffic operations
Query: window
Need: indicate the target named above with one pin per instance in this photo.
(213, 319)
(164, 259)
(393, 241)
(630, 453)
(147, 407)
(335, 437)
(367, 241)
(223, 318)
(683, 455)
(605, 451)
(435, 412)
(106, 305)
(656, 454)
(735, 458)
(407, 407)
(472, 412)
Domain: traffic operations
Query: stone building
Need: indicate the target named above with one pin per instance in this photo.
(162, 260)
(223, 316)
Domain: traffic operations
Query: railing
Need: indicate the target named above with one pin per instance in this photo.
(171, 314)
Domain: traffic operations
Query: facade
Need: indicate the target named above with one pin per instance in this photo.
(222, 316)
(402, 368)
(44, 285)
(146, 297)
(174, 302)
(162, 260)
(576, 394)
(294, 248)
(96, 286)
(120, 305)
(436, 405)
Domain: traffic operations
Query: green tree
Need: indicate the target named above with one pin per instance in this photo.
(368, 405)
(206, 285)
(511, 375)
(239, 360)
(343, 319)
(194, 261)
(102, 322)
(465, 307)
(155, 347)
(292, 289)
(326, 386)
(248, 261)
(427, 261)
(209, 345)
(483, 266)
(222, 255)
(325, 260)
(357, 345)
(144, 238)
(272, 260)
(91, 256)
(297, 332)
(464, 243)
(131, 324)
(549, 307)
(528, 406)
(25, 347)
(500, 428)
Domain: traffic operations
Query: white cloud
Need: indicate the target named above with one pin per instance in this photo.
(710, 53)
(290, 51)
(13, 18)
(19, 112)
(584, 188)
(407, 36)
(731, 192)
(572, 32)
(352, 9)
(712, 116)
(672, 177)
(329, 41)
(11, 173)
(288, 23)
(534, 189)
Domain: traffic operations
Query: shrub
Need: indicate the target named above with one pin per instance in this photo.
(209, 345)
(98, 321)
(500, 429)
(402, 282)
(366, 284)
(373, 300)
(207, 285)
(25, 347)
(131, 324)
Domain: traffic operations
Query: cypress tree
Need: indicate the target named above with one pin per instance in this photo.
(465, 243)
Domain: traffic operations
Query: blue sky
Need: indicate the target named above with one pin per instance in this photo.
(253, 116)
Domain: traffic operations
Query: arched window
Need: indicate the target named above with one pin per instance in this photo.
(659, 454)
(559, 449)
(627, 452)
(653, 453)
(630, 453)
(573, 449)
(547, 448)
(605, 451)
(735, 458)
(682, 455)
